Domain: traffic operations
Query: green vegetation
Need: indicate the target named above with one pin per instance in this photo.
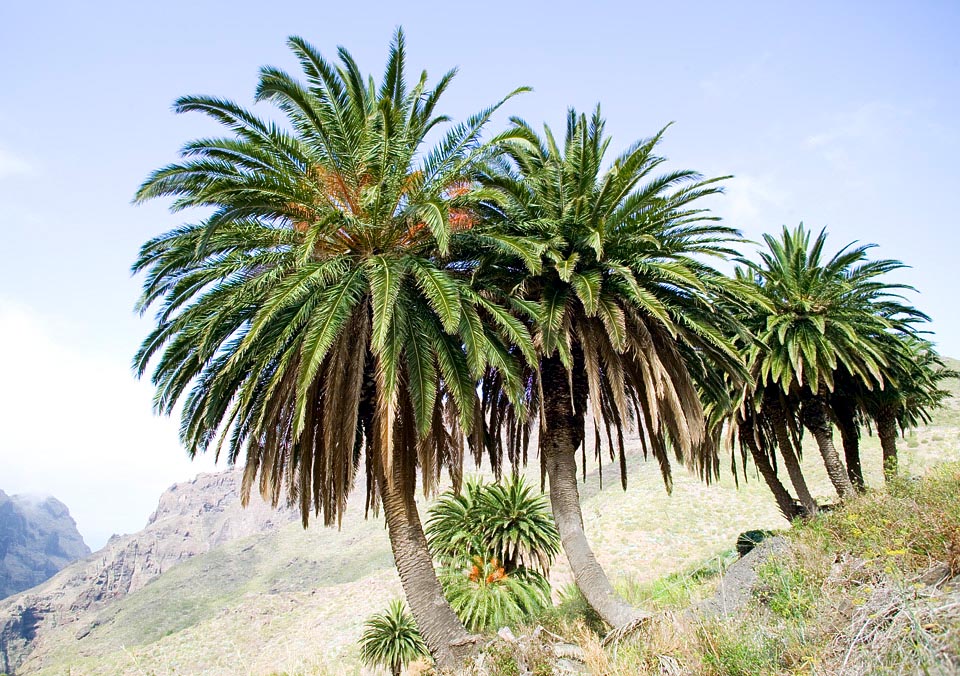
(862, 589)
(504, 520)
(495, 543)
(391, 639)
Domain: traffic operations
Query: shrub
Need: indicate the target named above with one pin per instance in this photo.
(506, 521)
(391, 639)
(486, 596)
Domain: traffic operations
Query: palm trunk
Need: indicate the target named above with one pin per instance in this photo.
(794, 471)
(444, 633)
(813, 414)
(887, 431)
(786, 503)
(559, 439)
(850, 437)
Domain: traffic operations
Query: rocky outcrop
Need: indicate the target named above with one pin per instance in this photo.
(191, 518)
(38, 537)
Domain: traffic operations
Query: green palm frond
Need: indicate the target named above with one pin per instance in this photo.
(322, 316)
(611, 258)
(506, 520)
(485, 596)
(390, 639)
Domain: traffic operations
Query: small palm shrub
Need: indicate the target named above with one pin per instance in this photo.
(506, 521)
(485, 596)
(390, 639)
(495, 544)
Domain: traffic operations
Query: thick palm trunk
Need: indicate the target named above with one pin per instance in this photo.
(887, 431)
(813, 414)
(559, 439)
(448, 640)
(790, 459)
(786, 503)
(850, 437)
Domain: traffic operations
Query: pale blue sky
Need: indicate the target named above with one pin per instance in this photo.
(842, 115)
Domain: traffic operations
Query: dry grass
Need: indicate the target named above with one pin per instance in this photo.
(867, 589)
(297, 607)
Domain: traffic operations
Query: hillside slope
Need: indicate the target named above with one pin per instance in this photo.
(290, 600)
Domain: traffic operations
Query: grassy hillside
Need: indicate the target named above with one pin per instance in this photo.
(871, 588)
(294, 601)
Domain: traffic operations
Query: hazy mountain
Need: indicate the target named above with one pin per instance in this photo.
(191, 518)
(38, 537)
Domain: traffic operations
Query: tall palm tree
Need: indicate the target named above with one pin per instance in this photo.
(607, 264)
(917, 372)
(820, 321)
(314, 320)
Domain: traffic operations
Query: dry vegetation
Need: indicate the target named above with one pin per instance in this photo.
(852, 599)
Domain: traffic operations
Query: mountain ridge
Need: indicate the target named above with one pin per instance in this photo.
(38, 538)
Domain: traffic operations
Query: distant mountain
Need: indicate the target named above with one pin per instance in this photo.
(191, 518)
(38, 537)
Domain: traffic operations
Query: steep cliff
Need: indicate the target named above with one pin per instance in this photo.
(38, 537)
(191, 518)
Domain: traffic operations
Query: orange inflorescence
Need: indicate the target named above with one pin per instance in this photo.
(480, 566)
(496, 576)
(461, 219)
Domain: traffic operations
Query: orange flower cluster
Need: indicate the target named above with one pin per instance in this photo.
(480, 566)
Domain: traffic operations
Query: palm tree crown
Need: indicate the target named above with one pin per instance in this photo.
(315, 312)
(819, 314)
(610, 266)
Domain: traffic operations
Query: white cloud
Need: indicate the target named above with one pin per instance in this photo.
(11, 165)
(78, 426)
(872, 122)
(754, 204)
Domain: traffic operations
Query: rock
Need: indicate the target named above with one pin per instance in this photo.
(736, 587)
(506, 635)
(38, 538)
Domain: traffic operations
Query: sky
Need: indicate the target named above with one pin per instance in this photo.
(840, 115)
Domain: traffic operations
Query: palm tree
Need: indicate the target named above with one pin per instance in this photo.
(506, 521)
(315, 320)
(390, 639)
(734, 414)
(496, 543)
(821, 322)
(607, 266)
(486, 596)
(916, 374)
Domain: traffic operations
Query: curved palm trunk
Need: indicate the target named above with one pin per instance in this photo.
(850, 437)
(790, 460)
(559, 438)
(788, 506)
(448, 640)
(813, 414)
(887, 431)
